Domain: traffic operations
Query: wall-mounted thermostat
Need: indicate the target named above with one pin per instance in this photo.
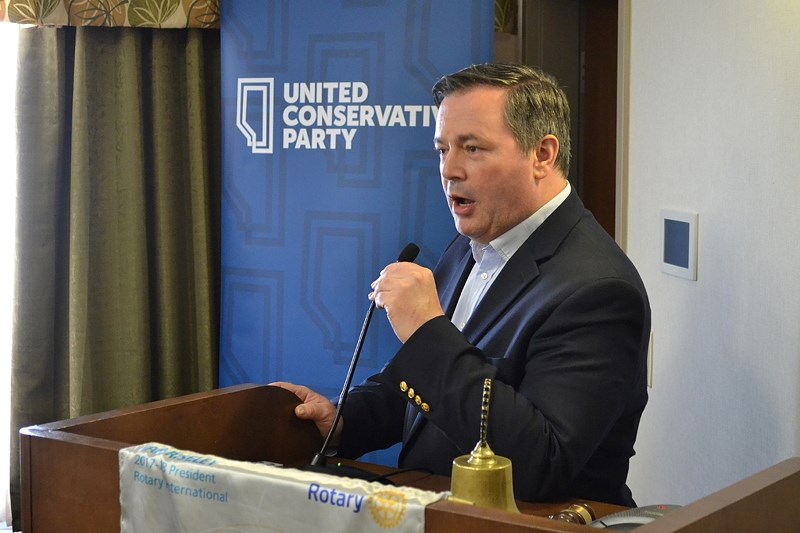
(679, 243)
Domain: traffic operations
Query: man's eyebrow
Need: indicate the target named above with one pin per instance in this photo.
(461, 139)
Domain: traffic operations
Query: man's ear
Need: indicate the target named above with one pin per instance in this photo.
(545, 153)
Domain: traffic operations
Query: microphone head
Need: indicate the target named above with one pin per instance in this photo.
(408, 254)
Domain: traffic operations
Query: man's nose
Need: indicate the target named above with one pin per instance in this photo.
(450, 167)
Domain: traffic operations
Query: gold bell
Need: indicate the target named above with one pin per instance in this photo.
(482, 478)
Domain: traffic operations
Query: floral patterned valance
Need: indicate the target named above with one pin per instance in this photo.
(134, 13)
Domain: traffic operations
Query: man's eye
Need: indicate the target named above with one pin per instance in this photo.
(472, 149)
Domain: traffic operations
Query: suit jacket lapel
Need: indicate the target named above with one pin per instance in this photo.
(523, 267)
(450, 289)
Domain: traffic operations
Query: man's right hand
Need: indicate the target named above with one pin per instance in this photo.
(314, 407)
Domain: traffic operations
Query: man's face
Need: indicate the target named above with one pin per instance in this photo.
(486, 178)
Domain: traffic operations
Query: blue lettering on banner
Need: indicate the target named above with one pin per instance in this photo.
(148, 480)
(334, 497)
(179, 456)
(195, 475)
(198, 493)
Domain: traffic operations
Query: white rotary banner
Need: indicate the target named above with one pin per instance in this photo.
(165, 489)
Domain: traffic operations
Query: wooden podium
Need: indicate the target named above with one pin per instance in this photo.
(70, 469)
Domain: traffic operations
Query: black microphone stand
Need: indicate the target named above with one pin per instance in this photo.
(319, 462)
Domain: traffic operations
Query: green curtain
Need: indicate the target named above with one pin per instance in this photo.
(133, 13)
(117, 285)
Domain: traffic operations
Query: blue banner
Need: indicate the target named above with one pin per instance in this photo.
(328, 171)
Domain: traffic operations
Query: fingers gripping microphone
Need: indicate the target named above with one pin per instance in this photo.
(407, 255)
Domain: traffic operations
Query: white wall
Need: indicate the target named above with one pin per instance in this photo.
(714, 127)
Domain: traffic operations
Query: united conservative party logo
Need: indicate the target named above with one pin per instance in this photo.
(323, 115)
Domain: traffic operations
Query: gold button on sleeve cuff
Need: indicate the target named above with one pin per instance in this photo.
(425, 407)
(403, 386)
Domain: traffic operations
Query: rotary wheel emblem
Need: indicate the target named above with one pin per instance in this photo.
(387, 508)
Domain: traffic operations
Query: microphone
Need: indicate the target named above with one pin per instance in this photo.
(318, 463)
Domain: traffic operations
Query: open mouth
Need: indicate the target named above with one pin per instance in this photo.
(461, 201)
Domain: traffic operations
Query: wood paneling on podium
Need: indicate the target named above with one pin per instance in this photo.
(70, 469)
(767, 501)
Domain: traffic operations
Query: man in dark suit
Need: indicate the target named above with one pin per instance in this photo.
(533, 293)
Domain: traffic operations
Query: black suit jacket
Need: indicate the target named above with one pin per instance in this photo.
(563, 330)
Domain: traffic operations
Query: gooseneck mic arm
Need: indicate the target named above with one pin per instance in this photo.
(408, 255)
